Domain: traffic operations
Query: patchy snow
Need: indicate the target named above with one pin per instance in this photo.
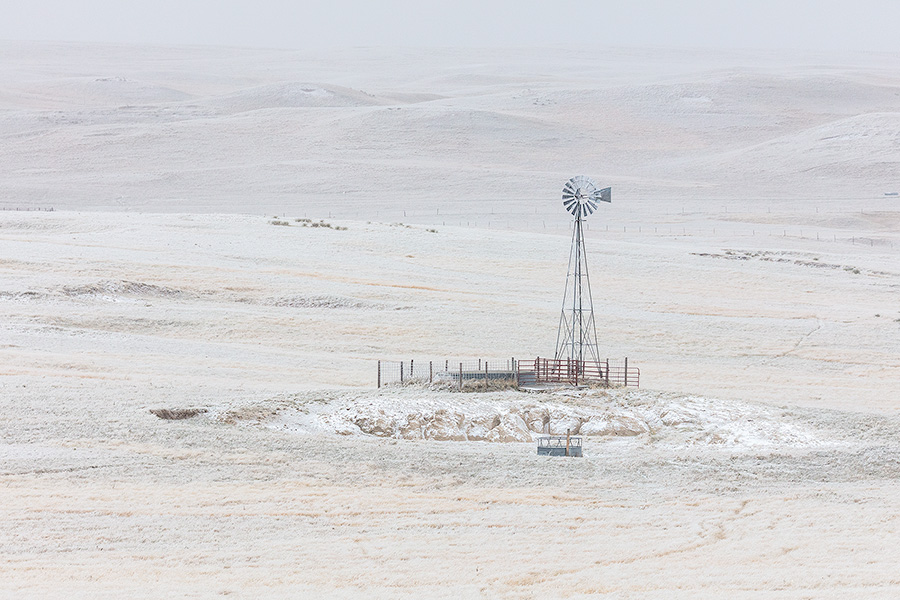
(416, 413)
(747, 266)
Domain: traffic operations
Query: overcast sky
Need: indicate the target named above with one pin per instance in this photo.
(776, 24)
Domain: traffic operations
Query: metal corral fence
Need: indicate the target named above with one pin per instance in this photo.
(577, 372)
(486, 373)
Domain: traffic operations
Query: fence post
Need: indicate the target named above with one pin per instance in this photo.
(607, 372)
(485, 376)
(430, 372)
(447, 365)
(379, 374)
(410, 369)
(626, 372)
(460, 376)
(401, 371)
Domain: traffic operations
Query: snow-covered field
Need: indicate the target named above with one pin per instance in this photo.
(749, 265)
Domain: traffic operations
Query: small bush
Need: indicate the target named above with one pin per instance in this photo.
(311, 223)
(283, 223)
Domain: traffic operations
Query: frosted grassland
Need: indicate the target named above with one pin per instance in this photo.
(748, 265)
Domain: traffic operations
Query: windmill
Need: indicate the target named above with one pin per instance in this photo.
(577, 336)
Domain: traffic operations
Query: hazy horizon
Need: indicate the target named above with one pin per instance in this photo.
(831, 26)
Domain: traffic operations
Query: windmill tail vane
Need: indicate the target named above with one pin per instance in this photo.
(577, 335)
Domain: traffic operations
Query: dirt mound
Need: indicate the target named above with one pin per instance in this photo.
(429, 414)
(176, 414)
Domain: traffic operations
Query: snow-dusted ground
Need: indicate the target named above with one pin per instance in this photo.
(749, 265)
(412, 413)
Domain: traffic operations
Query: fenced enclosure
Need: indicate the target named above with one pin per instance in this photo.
(460, 373)
(498, 373)
(577, 372)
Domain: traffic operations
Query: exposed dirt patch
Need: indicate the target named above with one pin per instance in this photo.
(122, 288)
(177, 414)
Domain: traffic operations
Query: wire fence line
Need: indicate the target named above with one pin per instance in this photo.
(27, 208)
(542, 214)
(445, 370)
(686, 231)
(722, 228)
(548, 207)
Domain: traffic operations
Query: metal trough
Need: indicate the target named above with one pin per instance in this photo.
(559, 445)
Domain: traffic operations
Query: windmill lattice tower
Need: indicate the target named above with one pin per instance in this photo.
(577, 335)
